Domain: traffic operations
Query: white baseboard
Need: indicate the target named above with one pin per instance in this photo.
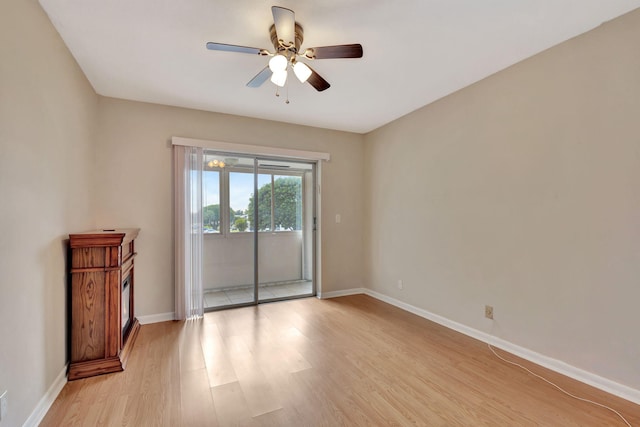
(563, 368)
(343, 293)
(47, 400)
(156, 318)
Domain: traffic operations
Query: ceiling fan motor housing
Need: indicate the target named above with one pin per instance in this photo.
(280, 47)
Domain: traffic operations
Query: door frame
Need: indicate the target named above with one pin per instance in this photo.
(284, 154)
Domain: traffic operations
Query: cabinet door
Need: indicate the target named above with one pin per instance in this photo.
(87, 316)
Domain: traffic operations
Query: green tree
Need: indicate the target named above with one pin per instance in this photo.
(287, 194)
(264, 208)
(240, 224)
(232, 215)
(211, 216)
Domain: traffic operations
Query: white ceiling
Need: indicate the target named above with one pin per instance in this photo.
(415, 51)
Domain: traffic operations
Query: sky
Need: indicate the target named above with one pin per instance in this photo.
(240, 188)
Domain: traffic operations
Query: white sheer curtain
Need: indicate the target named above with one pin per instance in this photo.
(188, 231)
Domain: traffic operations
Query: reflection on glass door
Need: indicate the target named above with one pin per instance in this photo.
(278, 222)
(285, 206)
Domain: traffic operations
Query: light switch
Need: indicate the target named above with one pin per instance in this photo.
(338, 219)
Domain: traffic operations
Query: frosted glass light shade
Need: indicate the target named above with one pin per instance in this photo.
(302, 71)
(279, 78)
(278, 63)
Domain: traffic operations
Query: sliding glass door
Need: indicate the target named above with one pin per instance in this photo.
(285, 229)
(228, 244)
(257, 248)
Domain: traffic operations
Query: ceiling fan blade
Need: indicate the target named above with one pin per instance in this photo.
(260, 78)
(234, 48)
(339, 51)
(285, 22)
(317, 81)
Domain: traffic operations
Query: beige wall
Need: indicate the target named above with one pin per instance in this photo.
(47, 116)
(134, 151)
(522, 192)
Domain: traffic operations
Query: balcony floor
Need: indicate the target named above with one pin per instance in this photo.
(216, 298)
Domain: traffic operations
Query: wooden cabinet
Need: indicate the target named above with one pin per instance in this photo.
(103, 325)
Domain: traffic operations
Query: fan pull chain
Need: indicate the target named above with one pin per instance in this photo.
(278, 92)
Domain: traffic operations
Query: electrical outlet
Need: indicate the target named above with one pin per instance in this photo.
(400, 284)
(488, 312)
(4, 403)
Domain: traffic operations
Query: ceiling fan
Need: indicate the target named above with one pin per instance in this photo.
(286, 36)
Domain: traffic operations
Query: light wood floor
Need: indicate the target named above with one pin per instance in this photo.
(345, 361)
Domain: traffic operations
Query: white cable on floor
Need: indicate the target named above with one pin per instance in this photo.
(558, 387)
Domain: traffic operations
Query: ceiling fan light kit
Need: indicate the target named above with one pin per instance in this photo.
(287, 36)
(301, 71)
(278, 63)
(279, 78)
